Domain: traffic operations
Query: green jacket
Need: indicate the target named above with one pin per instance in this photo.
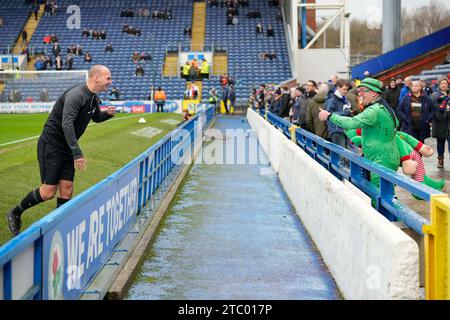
(378, 139)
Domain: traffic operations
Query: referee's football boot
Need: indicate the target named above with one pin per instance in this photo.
(14, 222)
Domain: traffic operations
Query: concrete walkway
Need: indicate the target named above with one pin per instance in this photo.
(231, 233)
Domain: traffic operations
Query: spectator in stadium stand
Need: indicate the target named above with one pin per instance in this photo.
(313, 123)
(204, 69)
(229, 19)
(55, 38)
(284, 103)
(146, 56)
(58, 151)
(59, 63)
(78, 50)
(194, 91)
(109, 48)
(193, 70)
(406, 88)
(47, 39)
(392, 95)
(24, 37)
(427, 88)
(447, 58)
(213, 99)
(306, 97)
(69, 61)
(103, 34)
(399, 82)
(135, 57)
(85, 33)
(35, 10)
(296, 105)
(212, 3)
(160, 99)
(223, 79)
(88, 57)
(39, 64)
(139, 71)
(259, 29)
(416, 112)
(187, 31)
(232, 96)
(366, 74)
(441, 120)
(338, 104)
(44, 95)
(56, 49)
(270, 32)
(1, 22)
(48, 9)
(114, 94)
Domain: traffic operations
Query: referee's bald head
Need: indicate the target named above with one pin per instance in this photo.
(99, 78)
(97, 71)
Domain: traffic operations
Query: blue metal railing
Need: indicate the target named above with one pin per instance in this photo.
(329, 154)
(32, 250)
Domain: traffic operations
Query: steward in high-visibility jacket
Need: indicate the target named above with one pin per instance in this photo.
(204, 69)
(186, 68)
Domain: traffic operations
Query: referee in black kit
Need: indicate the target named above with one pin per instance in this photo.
(58, 151)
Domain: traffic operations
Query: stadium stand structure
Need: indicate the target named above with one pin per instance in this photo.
(105, 15)
(411, 59)
(14, 15)
(434, 74)
(244, 46)
(241, 60)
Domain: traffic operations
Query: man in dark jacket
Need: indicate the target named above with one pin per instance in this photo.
(416, 112)
(338, 104)
(284, 102)
(307, 96)
(59, 153)
(392, 95)
(441, 121)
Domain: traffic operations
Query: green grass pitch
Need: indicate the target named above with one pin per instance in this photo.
(107, 147)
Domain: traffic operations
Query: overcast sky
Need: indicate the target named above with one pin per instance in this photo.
(361, 8)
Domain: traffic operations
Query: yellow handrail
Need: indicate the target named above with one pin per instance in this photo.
(437, 257)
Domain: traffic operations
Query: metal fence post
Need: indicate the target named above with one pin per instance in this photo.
(292, 130)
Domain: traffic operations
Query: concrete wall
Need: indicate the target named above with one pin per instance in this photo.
(368, 257)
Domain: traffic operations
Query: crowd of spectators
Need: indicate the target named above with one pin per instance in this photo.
(131, 30)
(422, 107)
(95, 34)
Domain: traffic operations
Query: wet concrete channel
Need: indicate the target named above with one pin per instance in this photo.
(231, 233)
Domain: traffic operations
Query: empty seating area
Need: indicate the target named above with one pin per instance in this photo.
(105, 15)
(244, 46)
(436, 72)
(14, 15)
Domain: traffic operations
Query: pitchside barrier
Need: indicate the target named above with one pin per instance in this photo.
(58, 256)
(436, 231)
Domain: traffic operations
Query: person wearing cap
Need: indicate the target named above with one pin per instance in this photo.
(378, 123)
(441, 120)
(416, 112)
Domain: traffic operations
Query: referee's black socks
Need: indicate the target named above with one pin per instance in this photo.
(31, 199)
(60, 202)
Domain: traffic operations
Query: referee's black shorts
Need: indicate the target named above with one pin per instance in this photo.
(55, 164)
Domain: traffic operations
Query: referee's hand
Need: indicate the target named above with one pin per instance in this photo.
(111, 110)
(80, 164)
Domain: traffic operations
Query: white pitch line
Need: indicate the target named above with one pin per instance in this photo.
(35, 137)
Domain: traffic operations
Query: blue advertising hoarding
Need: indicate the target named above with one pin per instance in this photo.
(80, 243)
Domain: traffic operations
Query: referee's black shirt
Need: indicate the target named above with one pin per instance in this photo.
(69, 118)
